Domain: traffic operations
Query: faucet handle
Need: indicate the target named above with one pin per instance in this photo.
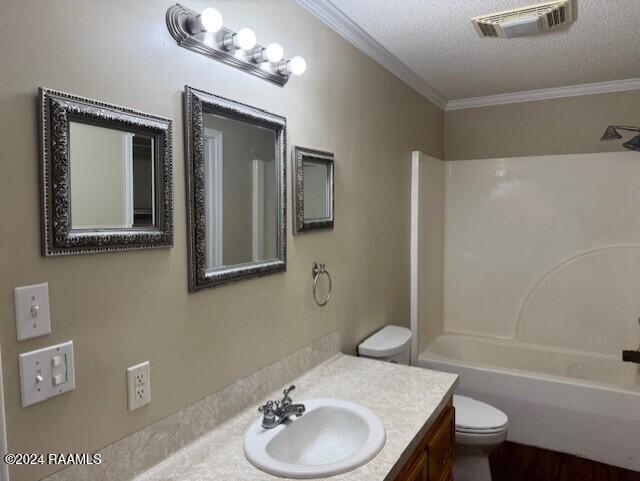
(268, 415)
(286, 399)
(267, 410)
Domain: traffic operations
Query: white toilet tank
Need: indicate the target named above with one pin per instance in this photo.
(391, 344)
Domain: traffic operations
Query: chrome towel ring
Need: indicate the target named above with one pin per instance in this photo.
(316, 271)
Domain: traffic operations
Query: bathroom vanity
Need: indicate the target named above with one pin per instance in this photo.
(414, 405)
(206, 440)
(433, 457)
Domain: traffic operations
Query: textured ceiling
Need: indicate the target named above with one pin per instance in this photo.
(436, 40)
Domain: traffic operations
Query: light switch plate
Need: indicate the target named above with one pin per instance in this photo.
(32, 311)
(47, 372)
(139, 385)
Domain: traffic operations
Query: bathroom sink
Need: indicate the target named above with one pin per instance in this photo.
(331, 437)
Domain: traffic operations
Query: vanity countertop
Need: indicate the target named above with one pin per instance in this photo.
(407, 400)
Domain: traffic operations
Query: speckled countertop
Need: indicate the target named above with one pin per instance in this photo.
(407, 399)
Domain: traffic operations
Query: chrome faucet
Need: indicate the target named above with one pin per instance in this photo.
(276, 412)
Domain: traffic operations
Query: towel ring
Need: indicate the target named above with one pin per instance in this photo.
(316, 271)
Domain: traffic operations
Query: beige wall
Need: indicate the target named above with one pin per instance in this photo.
(123, 308)
(558, 126)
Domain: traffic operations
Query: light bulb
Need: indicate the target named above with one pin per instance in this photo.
(297, 66)
(274, 52)
(211, 19)
(244, 39)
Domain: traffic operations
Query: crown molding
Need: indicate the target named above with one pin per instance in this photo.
(545, 94)
(333, 17)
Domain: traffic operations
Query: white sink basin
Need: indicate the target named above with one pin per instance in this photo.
(331, 437)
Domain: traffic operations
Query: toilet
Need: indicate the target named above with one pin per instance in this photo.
(391, 344)
(480, 428)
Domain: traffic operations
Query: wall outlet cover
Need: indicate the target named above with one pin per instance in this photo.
(139, 385)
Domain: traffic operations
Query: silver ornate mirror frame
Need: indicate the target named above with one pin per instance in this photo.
(57, 110)
(300, 156)
(196, 102)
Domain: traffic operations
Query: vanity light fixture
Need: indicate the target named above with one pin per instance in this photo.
(210, 20)
(243, 39)
(271, 53)
(204, 33)
(295, 66)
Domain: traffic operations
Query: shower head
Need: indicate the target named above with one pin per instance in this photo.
(611, 134)
(633, 144)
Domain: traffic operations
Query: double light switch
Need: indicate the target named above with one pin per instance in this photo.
(47, 372)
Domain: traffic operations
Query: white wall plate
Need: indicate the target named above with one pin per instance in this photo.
(139, 385)
(46, 372)
(32, 311)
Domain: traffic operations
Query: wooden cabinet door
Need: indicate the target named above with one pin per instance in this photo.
(416, 467)
(441, 446)
(433, 458)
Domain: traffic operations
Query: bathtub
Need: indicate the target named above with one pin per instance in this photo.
(567, 401)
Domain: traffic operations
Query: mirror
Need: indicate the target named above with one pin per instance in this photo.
(313, 192)
(112, 174)
(240, 192)
(236, 190)
(106, 174)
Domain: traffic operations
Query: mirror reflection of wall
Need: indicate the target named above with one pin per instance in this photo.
(112, 178)
(316, 190)
(312, 189)
(241, 191)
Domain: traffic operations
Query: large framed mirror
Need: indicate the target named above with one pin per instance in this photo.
(236, 190)
(106, 176)
(313, 190)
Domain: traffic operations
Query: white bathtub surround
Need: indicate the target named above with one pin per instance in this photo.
(137, 453)
(406, 399)
(607, 371)
(545, 250)
(541, 283)
(596, 417)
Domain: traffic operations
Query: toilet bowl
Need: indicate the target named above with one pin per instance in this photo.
(480, 428)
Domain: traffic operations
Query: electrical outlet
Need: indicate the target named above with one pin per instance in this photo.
(139, 385)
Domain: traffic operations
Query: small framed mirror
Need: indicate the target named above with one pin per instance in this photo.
(313, 190)
(106, 177)
(236, 190)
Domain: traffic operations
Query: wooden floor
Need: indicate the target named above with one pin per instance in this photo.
(514, 462)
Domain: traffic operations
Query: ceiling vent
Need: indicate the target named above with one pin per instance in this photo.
(522, 22)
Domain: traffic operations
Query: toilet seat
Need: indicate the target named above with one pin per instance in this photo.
(477, 418)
